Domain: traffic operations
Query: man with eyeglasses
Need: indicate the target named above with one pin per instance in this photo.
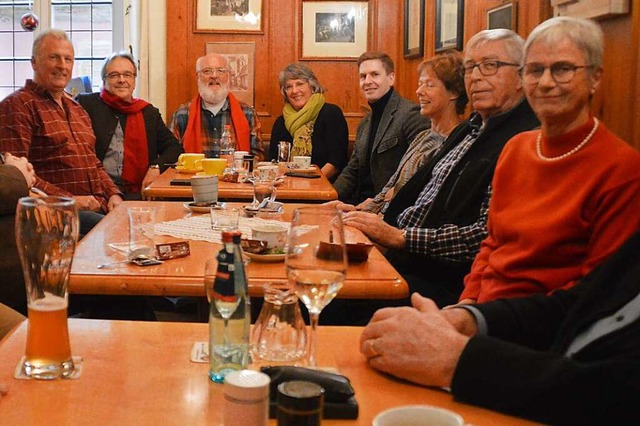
(132, 140)
(201, 121)
(42, 123)
(434, 225)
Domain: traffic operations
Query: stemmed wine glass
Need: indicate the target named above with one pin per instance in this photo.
(316, 262)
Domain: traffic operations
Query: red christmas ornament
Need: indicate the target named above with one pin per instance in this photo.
(29, 21)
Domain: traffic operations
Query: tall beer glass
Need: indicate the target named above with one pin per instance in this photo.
(46, 235)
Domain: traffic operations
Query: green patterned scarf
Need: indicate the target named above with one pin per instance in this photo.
(300, 123)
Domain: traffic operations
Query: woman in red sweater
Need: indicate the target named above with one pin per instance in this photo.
(567, 195)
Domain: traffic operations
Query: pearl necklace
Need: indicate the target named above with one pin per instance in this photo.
(566, 154)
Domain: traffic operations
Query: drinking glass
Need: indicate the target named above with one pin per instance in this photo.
(263, 189)
(46, 235)
(316, 262)
(141, 232)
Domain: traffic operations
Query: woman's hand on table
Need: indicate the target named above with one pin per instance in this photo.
(416, 344)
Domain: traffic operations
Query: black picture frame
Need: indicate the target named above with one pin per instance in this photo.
(413, 28)
(449, 25)
(503, 16)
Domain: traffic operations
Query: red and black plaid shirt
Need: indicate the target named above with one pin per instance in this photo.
(59, 142)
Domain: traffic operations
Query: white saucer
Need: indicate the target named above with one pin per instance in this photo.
(301, 169)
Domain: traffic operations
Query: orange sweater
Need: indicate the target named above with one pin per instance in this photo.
(550, 223)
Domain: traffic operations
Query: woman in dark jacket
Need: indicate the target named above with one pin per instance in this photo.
(314, 127)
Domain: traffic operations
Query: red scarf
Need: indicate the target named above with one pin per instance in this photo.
(192, 140)
(136, 150)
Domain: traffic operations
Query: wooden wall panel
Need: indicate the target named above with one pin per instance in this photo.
(617, 103)
(275, 48)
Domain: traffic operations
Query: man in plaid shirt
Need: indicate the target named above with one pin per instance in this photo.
(41, 122)
(200, 122)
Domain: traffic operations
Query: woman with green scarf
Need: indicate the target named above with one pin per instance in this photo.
(314, 127)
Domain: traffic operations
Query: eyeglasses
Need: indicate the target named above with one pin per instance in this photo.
(118, 75)
(561, 72)
(487, 68)
(288, 88)
(208, 72)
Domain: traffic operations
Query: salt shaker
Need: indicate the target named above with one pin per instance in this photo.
(246, 398)
(300, 403)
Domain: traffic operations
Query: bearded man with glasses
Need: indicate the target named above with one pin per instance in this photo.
(200, 122)
(132, 140)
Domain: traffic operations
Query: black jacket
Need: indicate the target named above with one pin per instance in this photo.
(599, 384)
(329, 140)
(163, 146)
(459, 200)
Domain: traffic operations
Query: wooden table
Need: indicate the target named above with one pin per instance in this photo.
(373, 279)
(139, 373)
(293, 188)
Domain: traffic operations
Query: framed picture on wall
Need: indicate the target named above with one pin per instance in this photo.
(503, 16)
(413, 28)
(333, 30)
(449, 24)
(228, 16)
(241, 56)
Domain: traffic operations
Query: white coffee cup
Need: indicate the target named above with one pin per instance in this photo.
(418, 415)
(266, 172)
(239, 155)
(274, 235)
(302, 161)
(205, 189)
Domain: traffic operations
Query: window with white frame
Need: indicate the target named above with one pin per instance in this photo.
(95, 28)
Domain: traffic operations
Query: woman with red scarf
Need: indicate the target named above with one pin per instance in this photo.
(132, 140)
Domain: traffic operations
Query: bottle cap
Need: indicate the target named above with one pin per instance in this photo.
(231, 236)
(300, 395)
(246, 385)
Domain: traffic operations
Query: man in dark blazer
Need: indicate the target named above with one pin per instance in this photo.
(569, 358)
(112, 113)
(383, 135)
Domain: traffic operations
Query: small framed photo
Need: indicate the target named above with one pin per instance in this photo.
(241, 56)
(413, 28)
(449, 24)
(333, 30)
(503, 16)
(224, 16)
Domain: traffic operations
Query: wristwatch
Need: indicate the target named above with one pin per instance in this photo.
(154, 166)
